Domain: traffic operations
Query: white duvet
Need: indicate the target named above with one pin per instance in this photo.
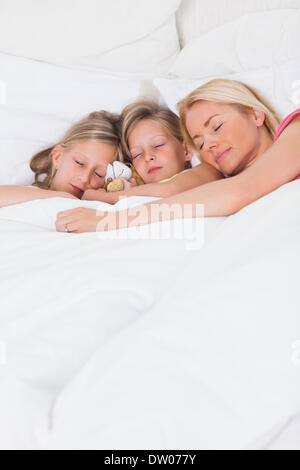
(144, 343)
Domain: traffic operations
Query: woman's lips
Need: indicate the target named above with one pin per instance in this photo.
(154, 169)
(221, 155)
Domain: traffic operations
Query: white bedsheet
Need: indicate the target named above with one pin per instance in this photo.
(146, 344)
(63, 296)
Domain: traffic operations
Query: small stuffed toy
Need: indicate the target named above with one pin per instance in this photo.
(116, 171)
(136, 176)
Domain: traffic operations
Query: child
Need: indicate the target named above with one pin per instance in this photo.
(153, 144)
(78, 161)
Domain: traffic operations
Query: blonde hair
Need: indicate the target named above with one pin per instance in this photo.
(99, 126)
(227, 91)
(150, 110)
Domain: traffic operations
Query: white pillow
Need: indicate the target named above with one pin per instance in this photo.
(252, 41)
(197, 17)
(140, 34)
(279, 84)
(41, 103)
(149, 57)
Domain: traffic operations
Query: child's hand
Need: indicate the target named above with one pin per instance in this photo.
(128, 184)
(120, 184)
(63, 194)
(100, 195)
(93, 195)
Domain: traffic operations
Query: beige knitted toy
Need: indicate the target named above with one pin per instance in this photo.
(119, 170)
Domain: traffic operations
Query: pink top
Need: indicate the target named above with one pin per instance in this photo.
(283, 125)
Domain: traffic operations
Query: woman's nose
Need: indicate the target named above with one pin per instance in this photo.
(209, 143)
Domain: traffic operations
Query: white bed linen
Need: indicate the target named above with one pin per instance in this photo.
(145, 344)
(197, 17)
(212, 364)
(63, 296)
(126, 36)
(227, 49)
(279, 84)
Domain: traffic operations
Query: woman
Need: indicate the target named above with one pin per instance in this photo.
(153, 144)
(234, 130)
(77, 161)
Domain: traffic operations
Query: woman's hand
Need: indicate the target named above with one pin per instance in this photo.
(77, 220)
(82, 220)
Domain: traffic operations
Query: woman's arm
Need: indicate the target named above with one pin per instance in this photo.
(191, 178)
(280, 164)
(10, 195)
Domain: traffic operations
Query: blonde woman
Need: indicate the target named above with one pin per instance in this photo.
(77, 161)
(153, 144)
(236, 131)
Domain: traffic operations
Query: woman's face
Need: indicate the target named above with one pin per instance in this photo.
(155, 153)
(226, 137)
(81, 166)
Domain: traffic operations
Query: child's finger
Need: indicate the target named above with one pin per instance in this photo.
(133, 182)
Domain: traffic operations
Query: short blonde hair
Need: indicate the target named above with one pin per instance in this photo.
(99, 126)
(227, 91)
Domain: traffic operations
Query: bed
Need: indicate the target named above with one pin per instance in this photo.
(179, 335)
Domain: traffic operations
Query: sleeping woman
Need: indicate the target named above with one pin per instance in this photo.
(233, 129)
(77, 161)
(153, 144)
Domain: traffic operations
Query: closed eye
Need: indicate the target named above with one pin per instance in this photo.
(160, 145)
(82, 164)
(216, 129)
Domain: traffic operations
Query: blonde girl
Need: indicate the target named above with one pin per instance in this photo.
(234, 129)
(153, 144)
(76, 162)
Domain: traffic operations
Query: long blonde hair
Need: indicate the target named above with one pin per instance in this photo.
(227, 91)
(99, 126)
(148, 109)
